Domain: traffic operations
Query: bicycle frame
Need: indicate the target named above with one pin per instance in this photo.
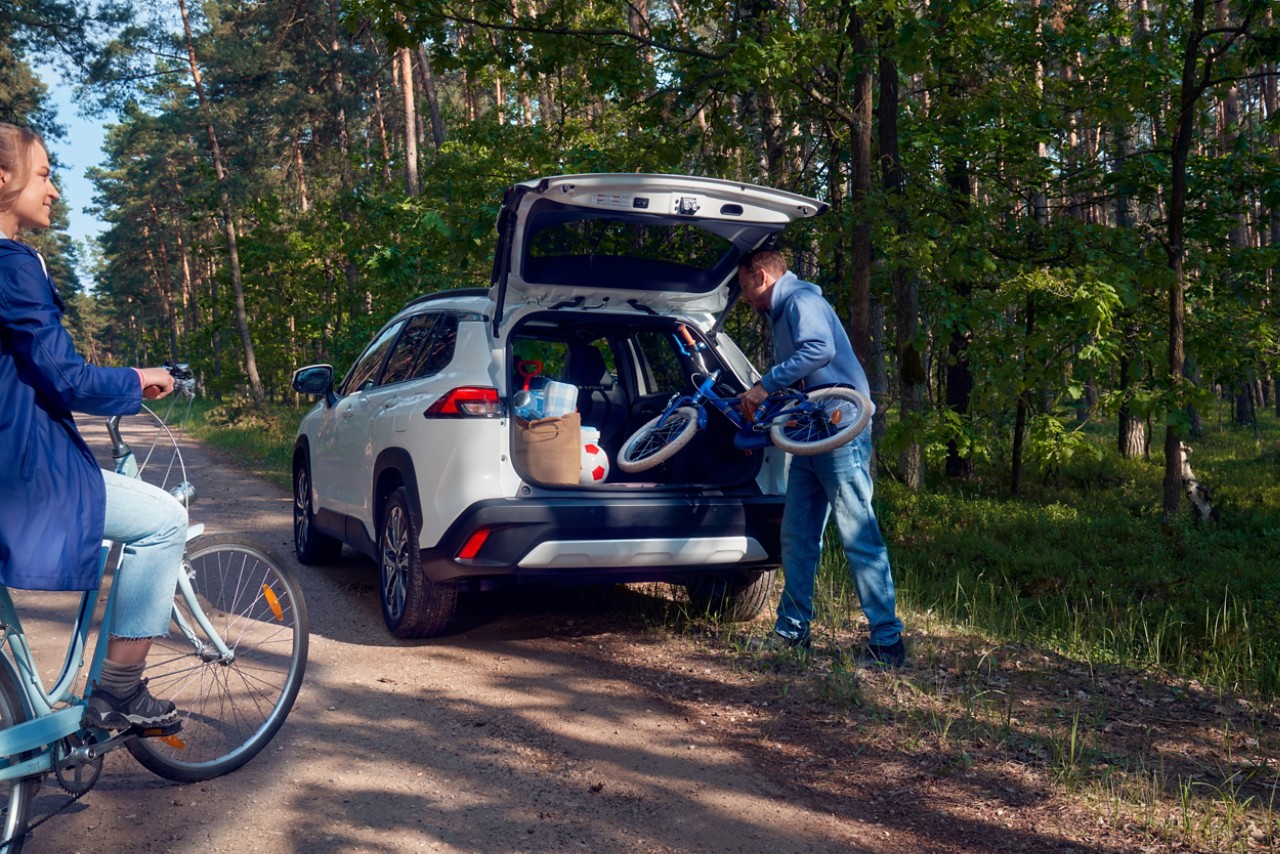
(753, 432)
(47, 724)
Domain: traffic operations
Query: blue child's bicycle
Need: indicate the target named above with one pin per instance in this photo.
(799, 422)
(232, 664)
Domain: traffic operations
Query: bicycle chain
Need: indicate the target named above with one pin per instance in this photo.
(74, 796)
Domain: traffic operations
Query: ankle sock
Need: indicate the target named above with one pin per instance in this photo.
(120, 679)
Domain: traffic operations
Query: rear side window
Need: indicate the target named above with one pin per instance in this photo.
(426, 347)
(437, 348)
(401, 362)
(365, 371)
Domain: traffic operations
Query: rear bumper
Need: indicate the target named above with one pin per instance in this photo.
(610, 538)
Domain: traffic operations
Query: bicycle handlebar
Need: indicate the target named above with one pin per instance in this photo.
(184, 385)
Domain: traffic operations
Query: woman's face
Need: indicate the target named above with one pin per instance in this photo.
(34, 206)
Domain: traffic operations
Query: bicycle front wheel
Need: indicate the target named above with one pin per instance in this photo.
(829, 418)
(15, 795)
(656, 443)
(230, 706)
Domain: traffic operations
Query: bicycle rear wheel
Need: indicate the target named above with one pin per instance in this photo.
(15, 796)
(653, 443)
(230, 709)
(831, 417)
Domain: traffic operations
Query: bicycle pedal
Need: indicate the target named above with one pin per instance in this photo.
(156, 731)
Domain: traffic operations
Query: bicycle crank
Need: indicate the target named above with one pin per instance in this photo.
(77, 764)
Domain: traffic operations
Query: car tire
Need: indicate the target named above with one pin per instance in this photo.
(311, 546)
(734, 600)
(412, 605)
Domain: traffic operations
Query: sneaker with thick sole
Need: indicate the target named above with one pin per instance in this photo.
(141, 710)
(885, 657)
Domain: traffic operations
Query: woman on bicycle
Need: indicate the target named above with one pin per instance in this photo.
(56, 503)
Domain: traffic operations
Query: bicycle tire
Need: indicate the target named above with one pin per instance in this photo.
(229, 711)
(653, 444)
(16, 795)
(845, 413)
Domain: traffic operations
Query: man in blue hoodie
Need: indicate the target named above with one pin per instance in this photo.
(811, 349)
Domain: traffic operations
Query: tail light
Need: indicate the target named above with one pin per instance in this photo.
(467, 402)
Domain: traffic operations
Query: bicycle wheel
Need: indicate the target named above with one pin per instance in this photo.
(653, 444)
(230, 709)
(838, 416)
(16, 795)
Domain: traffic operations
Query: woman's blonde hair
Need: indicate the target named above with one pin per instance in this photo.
(15, 159)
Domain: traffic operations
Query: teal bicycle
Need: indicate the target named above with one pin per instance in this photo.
(232, 664)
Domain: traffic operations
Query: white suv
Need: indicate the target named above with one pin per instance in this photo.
(616, 284)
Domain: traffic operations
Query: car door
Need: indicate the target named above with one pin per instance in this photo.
(342, 451)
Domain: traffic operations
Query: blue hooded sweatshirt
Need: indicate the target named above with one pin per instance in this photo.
(52, 498)
(810, 346)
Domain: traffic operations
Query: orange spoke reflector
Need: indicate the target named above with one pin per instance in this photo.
(273, 601)
(836, 416)
(174, 742)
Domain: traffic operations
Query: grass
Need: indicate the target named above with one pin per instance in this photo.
(262, 443)
(1087, 569)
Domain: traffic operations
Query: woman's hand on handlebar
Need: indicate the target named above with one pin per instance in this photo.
(156, 382)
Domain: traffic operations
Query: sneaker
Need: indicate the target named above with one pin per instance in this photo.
(885, 657)
(773, 643)
(107, 711)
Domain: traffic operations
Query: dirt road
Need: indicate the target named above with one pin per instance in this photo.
(551, 721)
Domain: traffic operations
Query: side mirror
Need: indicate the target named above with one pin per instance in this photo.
(315, 380)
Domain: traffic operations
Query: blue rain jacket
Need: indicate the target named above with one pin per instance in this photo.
(52, 498)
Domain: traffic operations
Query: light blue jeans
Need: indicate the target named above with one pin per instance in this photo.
(838, 481)
(151, 526)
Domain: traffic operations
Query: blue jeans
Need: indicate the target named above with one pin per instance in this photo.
(839, 480)
(151, 526)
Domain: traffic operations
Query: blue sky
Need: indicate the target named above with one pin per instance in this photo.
(80, 150)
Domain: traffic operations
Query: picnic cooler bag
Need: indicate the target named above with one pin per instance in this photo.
(550, 449)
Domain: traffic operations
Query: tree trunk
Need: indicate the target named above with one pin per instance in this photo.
(860, 191)
(959, 386)
(404, 61)
(877, 376)
(1020, 420)
(165, 282)
(906, 294)
(433, 101)
(1190, 90)
(228, 220)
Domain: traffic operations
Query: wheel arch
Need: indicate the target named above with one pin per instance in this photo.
(394, 469)
(301, 451)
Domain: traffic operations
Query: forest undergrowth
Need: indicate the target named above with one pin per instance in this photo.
(1125, 670)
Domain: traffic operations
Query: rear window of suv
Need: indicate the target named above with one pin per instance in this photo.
(570, 247)
(678, 243)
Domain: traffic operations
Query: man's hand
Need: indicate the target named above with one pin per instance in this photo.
(156, 382)
(751, 399)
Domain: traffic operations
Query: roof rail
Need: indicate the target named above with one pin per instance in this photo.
(456, 292)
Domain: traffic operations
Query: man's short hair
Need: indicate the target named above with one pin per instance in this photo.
(770, 260)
